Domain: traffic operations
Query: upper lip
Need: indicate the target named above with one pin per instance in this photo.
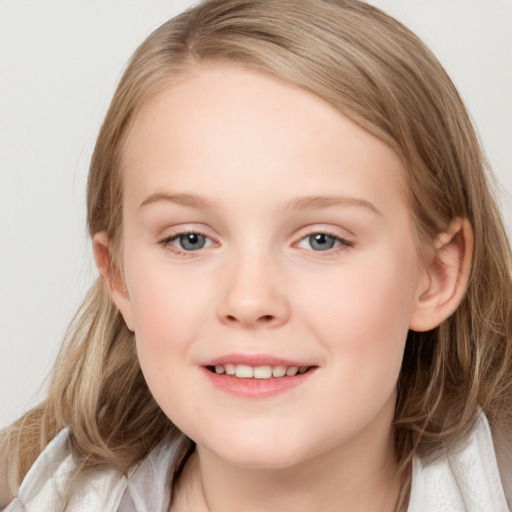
(254, 360)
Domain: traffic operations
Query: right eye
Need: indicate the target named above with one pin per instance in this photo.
(187, 242)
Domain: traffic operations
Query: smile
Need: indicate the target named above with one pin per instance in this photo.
(256, 376)
(244, 371)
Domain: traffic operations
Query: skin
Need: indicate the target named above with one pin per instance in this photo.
(250, 144)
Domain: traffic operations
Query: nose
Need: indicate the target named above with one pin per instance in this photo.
(253, 293)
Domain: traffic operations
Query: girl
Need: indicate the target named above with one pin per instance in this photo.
(305, 298)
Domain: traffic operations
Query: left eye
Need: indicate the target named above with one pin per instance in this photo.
(321, 242)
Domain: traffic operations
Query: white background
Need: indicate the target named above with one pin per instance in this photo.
(59, 63)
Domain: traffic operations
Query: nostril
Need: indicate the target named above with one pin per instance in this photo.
(261, 319)
(251, 319)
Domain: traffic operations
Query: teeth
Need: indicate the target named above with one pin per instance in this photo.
(279, 371)
(244, 371)
(262, 372)
(292, 370)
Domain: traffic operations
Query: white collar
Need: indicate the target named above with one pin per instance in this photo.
(464, 480)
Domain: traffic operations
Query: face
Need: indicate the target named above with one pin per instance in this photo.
(264, 234)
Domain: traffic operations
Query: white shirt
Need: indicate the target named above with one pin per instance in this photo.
(465, 480)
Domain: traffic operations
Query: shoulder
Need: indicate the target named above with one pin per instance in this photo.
(46, 485)
(465, 479)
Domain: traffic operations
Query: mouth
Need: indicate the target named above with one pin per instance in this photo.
(257, 376)
(263, 372)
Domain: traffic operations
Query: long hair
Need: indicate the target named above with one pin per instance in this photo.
(376, 72)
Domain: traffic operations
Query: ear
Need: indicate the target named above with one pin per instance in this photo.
(112, 275)
(447, 275)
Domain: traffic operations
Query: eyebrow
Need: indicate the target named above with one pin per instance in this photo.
(319, 202)
(315, 202)
(189, 200)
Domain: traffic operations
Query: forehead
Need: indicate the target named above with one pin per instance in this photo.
(226, 130)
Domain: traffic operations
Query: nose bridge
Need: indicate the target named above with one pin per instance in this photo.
(254, 293)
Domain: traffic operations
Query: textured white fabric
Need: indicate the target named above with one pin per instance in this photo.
(146, 489)
(466, 480)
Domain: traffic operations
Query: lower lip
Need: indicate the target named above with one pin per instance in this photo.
(256, 388)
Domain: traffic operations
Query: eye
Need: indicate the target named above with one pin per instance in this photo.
(190, 241)
(323, 242)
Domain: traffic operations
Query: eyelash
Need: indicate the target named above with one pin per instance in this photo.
(344, 244)
(166, 242)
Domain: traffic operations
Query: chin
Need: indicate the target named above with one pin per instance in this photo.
(269, 452)
(258, 461)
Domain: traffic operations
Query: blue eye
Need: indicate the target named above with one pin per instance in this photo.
(323, 242)
(186, 242)
(191, 241)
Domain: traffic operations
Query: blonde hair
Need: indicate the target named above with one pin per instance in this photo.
(393, 86)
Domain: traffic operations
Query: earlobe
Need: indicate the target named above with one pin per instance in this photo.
(447, 275)
(112, 275)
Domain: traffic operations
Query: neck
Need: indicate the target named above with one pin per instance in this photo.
(355, 477)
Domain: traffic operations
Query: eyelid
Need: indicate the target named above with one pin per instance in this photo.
(344, 241)
(166, 242)
(314, 229)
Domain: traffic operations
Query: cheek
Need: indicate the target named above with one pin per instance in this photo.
(362, 316)
(377, 310)
(163, 302)
(166, 315)
(165, 323)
